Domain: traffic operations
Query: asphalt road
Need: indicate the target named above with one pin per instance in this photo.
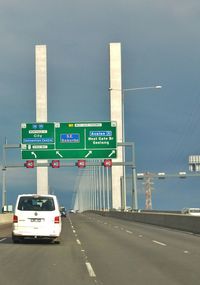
(101, 250)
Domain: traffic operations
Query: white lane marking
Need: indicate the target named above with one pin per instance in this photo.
(140, 236)
(186, 251)
(2, 239)
(90, 269)
(78, 241)
(74, 231)
(158, 242)
(129, 232)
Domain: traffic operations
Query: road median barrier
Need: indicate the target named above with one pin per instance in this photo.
(6, 218)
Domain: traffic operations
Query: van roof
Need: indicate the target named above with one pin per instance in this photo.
(37, 195)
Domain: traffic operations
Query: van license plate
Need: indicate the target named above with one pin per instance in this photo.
(37, 219)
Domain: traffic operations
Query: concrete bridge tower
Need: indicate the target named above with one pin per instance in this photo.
(41, 109)
(116, 115)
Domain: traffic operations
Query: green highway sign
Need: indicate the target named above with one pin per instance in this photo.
(38, 136)
(79, 140)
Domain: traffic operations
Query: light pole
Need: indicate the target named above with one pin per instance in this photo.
(123, 91)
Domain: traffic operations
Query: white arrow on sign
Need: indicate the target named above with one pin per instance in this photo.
(57, 152)
(90, 152)
(33, 153)
(113, 152)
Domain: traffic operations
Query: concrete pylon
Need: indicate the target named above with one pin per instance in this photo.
(41, 109)
(116, 115)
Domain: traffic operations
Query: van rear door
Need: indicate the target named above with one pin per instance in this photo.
(37, 215)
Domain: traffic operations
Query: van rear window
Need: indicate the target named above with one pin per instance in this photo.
(27, 203)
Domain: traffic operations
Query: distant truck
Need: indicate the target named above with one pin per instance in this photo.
(191, 211)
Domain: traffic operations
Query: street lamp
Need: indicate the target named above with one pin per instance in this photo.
(123, 91)
(140, 88)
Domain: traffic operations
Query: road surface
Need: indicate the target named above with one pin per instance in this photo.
(102, 251)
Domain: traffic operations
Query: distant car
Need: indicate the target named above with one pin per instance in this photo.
(72, 211)
(63, 213)
(191, 211)
(36, 217)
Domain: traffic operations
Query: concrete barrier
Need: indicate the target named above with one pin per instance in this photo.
(173, 221)
(6, 218)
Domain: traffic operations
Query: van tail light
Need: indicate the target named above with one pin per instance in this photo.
(15, 219)
(57, 220)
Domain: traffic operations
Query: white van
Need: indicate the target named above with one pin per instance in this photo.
(37, 217)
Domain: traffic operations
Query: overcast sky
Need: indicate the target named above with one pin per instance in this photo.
(160, 46)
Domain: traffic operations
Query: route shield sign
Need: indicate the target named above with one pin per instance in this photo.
(79, 140)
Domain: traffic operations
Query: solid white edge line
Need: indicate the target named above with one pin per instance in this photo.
(90, 269)
(158, 242)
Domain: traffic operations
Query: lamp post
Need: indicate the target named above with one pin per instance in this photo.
(123, 91)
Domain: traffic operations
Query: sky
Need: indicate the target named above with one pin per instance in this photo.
(160, 46)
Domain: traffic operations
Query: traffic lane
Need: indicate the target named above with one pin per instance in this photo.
(121, 257)
(184, 241)
(154, 241)
(41, 263)
(177, 240)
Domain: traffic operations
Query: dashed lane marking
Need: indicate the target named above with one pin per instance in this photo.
(158, 242)
(2, 239)
(84, 255)
(78, 242)
(90, 269)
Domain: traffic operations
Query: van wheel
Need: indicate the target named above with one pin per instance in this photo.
(57, 241)
(15, 239)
